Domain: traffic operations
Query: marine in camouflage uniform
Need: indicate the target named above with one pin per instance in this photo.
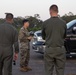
(24, 47)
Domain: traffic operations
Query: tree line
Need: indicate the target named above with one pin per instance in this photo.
(36, 22)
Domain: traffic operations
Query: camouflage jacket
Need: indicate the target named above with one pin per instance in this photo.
(23, 35)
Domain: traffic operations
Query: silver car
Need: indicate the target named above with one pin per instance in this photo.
(38, 42)
(70, 40)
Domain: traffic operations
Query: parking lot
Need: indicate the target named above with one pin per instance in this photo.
(37, 65)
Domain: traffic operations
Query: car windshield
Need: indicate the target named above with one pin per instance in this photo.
(39, 34)
(70, 24)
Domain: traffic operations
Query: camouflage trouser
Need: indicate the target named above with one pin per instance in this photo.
(24, 55)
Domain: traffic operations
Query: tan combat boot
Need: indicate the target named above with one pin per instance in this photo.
(28, 68)
(23, 69)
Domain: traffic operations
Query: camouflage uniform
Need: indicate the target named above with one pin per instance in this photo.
(24, 47)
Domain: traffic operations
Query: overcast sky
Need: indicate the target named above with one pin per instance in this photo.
(31, 7)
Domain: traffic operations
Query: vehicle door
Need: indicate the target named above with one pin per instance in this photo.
(71, 38)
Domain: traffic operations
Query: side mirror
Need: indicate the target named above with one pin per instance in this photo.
(74, 30)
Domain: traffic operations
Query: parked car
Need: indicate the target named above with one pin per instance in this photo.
(70, 41)
(38, 42)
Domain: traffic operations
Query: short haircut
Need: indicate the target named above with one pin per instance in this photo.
(54, 8)
(9, 16)
(25, 20)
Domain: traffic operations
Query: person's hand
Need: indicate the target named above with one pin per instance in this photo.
(30, 37)
(15, 56)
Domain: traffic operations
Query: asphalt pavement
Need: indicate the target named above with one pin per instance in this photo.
(37, 64)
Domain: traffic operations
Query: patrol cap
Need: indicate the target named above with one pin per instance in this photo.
(9, 16)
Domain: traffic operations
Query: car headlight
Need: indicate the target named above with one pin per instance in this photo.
(39, 39)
